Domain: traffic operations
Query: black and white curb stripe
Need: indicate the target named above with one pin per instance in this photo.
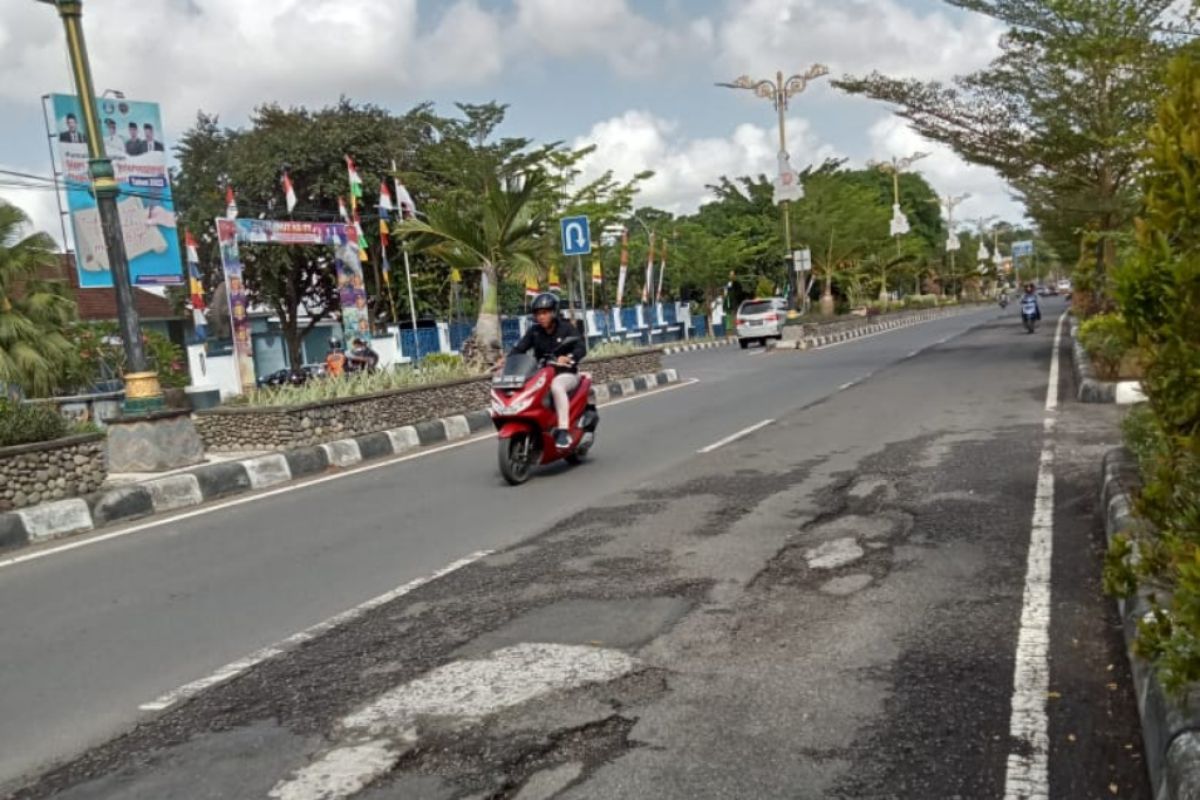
(687, 348)
(813, 342)
(40, 523)
(1170, 729)
(1092, 389)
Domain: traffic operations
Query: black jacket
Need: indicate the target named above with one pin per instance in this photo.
(544, 344)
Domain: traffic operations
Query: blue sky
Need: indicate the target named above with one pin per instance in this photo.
(633, 77)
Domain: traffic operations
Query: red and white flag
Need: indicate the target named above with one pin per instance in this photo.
(289, 191)
(231, 211)
(624, 267)
(404, 201)
(342, 212)
(385, 197)
(649, 271)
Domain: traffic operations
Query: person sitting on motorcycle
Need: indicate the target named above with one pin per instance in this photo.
(544, 338)
(335, 360)
(1030, 298)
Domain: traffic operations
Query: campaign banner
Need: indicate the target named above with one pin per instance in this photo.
(352, 292)
(235, 290)
(132, 138)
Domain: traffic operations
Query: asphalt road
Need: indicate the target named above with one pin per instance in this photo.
(891, 677)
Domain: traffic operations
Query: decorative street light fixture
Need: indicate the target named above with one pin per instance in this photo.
(142, 392)
(952, 244)
(779, 91)
(895, 167)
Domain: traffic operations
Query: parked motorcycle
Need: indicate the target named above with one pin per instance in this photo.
(1003, 301)
(524, 416)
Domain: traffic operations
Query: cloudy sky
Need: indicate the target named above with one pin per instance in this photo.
(634, 77)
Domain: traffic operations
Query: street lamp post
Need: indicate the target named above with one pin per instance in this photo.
(951, 202)
(142, 392)
(779, 91)
(899, 224)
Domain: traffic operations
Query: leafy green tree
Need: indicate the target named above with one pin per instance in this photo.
(34, 313)
(297, 283)
(1060, 114)
(709, 260)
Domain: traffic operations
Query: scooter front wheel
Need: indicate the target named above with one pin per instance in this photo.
(518, 457)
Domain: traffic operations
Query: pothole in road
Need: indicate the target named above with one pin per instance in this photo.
(834, 553)
(844, 585)
(622, 624)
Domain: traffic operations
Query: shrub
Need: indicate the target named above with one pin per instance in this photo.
(1158, 288)
(441, 360)
(1106, 339)
(22, 423)
(359, 383)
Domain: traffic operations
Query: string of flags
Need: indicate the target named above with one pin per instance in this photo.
(195, 287)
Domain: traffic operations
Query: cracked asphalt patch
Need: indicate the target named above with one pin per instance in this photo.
(756, 669)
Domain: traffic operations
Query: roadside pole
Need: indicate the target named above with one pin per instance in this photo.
(412, 306)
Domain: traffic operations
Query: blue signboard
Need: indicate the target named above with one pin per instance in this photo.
(576, 236)
(131, 132)
(1022, 249)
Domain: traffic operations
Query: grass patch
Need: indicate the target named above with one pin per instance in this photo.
(442, 370)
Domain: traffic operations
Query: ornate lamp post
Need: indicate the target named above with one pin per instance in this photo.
(951, 202)
(779, 91)
(142, 392)
(899, 225)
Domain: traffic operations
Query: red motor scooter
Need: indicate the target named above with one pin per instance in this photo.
(523, 412)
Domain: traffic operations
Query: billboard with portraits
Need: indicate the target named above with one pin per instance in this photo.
(132, 136)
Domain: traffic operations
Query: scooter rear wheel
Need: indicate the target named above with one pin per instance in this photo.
(518, 457)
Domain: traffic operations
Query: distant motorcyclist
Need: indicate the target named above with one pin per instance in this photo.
(1029, 302)
(544, 338)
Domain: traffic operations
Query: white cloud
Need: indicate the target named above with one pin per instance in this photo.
(946, 172)
(632, 44)
(761, 36)
(639, 140)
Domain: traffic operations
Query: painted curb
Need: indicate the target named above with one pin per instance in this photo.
(198, 485)
(870, 329)
(1169, 726)
(688, 348)
(1091, 388)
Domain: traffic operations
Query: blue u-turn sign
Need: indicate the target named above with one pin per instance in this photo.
(576, 236)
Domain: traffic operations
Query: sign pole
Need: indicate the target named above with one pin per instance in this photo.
(582, 301)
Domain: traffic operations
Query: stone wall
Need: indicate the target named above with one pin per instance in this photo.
(45, 471)
(241, 428)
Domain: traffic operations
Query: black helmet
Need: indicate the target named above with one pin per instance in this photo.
(545, 302)
(335, 344)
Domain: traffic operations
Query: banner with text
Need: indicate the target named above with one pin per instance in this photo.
(132, 138)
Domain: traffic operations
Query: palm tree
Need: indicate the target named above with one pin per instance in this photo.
(502, 237)
(34, 313)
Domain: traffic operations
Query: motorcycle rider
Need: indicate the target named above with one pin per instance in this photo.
(1030, 300)
(544, 337)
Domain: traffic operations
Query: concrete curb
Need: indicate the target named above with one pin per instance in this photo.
(1170, 727)
(814, 342)
(1091, 388)
(202, 484)
(687, 348)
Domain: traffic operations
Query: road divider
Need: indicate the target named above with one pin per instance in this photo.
(675, 349)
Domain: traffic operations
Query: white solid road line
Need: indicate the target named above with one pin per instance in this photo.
(736, 436)
(846, 385)
(235, 668)
(1028, 774)
(253, 497)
